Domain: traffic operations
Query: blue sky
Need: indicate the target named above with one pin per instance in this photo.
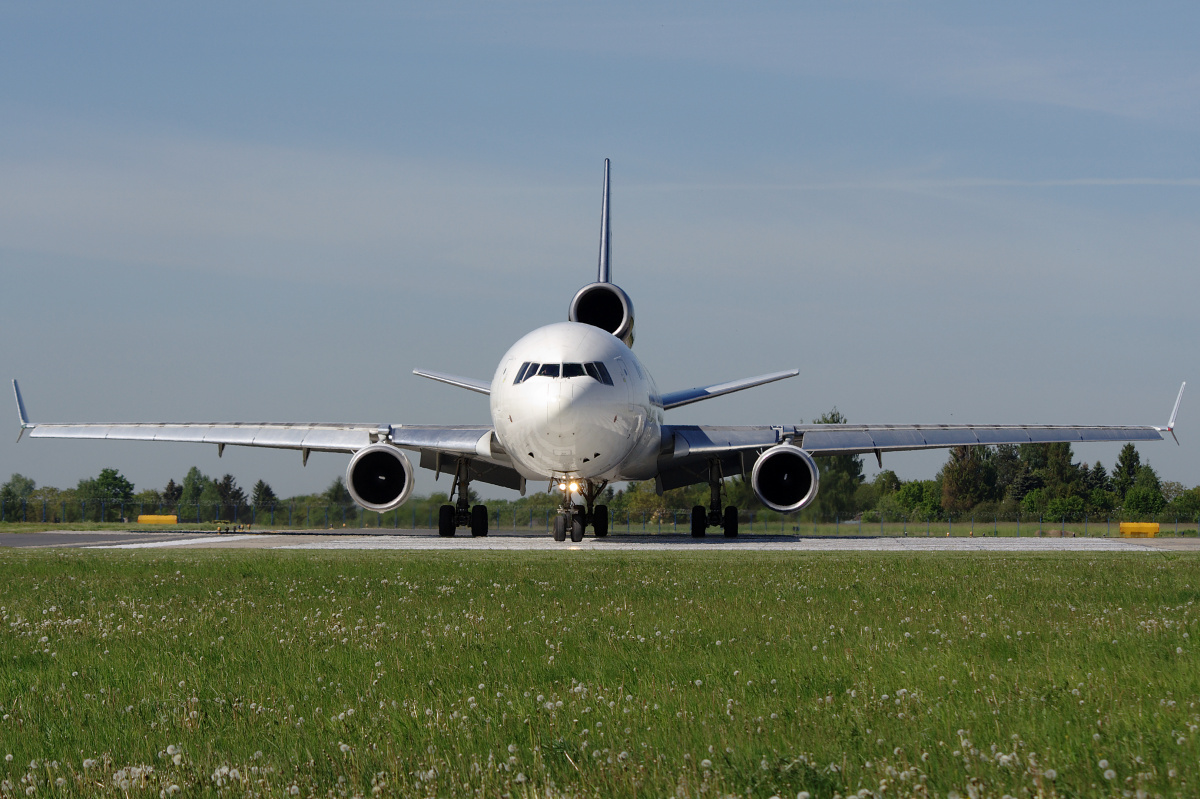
(938, 212)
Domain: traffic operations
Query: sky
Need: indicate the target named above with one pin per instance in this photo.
(938, 212)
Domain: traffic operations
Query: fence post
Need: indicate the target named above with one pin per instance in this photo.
(43, 511)
(25, 514)
(837, 524)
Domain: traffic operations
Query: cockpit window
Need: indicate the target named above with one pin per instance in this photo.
(595, 370)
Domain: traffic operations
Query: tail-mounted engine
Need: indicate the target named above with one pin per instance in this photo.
(379, 477)
(785, 478)
(605, 306)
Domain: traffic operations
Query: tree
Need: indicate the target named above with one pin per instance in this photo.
(17, 488)
(968, 478)
(109, 490)
(841, 475)
(1144, 497)
(338, 494)
(886, 482)
(1007, 460)
(110, 485)
(1063, 478)
(263, 496)
(233, 498)
(172, 492)
(1097, 477)
(1126, 469)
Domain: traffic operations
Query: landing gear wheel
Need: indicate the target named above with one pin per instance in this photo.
(479, 520)
(600, 521)
(576, 527)
(699, 521)
(731, 522)
(560, 527)
(446, 520)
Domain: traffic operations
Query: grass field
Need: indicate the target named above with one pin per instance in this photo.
(565, 673)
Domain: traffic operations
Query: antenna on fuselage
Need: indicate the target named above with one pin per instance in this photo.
(605, 271)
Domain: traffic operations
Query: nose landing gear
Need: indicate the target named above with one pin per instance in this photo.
(574, 517)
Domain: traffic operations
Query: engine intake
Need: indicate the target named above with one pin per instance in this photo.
(785, 478)
(379, 477)
(605, 306)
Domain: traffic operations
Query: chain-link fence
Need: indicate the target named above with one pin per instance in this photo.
(327, 516)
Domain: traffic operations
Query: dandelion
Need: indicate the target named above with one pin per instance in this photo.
(699, 683)
(804, 795)
(1109, 774)
(1051, 774)
(1103, 764)
(344, 747)
(706, 763)
(512, 749)
(520, 777)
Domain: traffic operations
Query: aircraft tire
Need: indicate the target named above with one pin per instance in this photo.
(560, 527)
(576, 527)
(446, 520)
(730, 522)
(600, 521)
(699, 521)
(479, 520)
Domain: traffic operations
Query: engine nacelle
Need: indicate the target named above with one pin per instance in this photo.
(785, 478)
(605, 306)
(379, 477)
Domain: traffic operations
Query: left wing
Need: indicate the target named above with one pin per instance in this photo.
(689, 449)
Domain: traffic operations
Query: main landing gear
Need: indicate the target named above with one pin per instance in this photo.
(703, 519)
(461, 514)
(574, 517)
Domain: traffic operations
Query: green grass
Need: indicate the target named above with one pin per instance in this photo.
(598, 674)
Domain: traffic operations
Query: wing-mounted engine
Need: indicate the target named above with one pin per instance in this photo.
(785, 478)
(379, 477)
(606, 306)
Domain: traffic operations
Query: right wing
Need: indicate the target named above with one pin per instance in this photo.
(439, 447)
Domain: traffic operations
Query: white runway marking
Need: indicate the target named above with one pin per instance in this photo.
(177, 543)
(714, 545)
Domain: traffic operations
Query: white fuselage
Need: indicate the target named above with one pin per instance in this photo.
(589, 410)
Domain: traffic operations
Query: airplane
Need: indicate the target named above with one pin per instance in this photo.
(572, 405)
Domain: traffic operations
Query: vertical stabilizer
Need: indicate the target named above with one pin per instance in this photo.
(605, 272)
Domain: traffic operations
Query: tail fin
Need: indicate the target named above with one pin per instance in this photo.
(605, 271)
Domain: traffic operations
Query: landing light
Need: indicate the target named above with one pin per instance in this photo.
(562, 486)
(574, 487)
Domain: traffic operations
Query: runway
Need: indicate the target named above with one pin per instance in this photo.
(617, 542)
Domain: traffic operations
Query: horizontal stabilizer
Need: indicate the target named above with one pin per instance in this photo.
(481, 386)
(677, 398)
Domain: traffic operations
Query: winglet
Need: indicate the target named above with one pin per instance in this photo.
(605, 271)
(24, 417)
(1175, 412)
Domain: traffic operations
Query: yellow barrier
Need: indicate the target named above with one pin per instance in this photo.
(1139, 529)
(147, 518)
